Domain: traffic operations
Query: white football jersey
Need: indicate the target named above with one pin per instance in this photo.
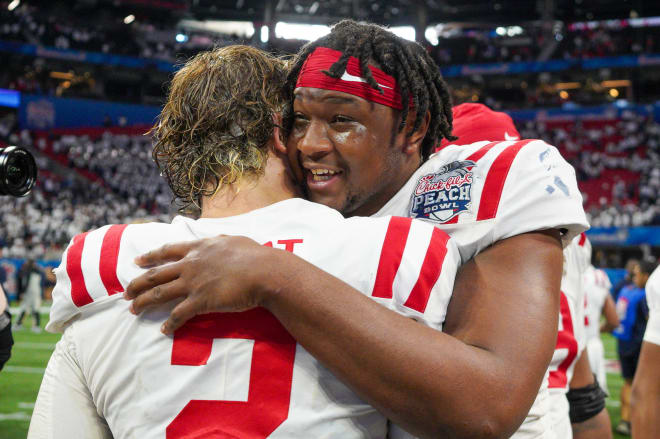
(571, 336)
(488, 191)
(652, 334)
(596, 288)
(226, 374)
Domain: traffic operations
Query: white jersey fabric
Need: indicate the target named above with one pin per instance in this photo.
(571, 336)
(597, 287)
(488, 191)
(232, 374)
(652, 334)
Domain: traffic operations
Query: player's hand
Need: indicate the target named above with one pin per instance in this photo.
(221, 274)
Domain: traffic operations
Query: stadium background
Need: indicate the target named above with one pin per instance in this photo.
(81, 82)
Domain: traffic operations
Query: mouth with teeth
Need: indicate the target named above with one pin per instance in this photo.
(323, 180)
(318, 175)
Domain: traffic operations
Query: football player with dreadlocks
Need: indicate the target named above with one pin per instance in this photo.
(367, 110)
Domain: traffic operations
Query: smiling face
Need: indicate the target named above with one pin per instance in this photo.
(352, 156)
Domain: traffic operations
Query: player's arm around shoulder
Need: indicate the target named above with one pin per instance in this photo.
(504, 306)
(506, 297)
(428, 382)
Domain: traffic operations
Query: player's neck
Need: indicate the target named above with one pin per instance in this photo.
(252, 192)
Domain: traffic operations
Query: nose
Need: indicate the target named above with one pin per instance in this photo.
(315, 143)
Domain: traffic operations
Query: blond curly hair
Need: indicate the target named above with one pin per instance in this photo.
(220, 113)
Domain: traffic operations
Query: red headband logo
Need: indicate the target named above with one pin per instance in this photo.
(351, 82)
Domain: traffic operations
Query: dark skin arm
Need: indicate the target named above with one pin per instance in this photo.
(501, 327)
(611, 318)
(598, 427)
(645, 409)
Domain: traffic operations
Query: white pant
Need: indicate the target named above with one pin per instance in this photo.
(31, 301)
(596, 353)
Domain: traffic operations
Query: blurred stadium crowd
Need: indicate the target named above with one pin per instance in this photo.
(160, 40)
(61, 29)
(115, 180)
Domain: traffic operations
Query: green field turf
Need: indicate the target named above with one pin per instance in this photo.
(21, 377)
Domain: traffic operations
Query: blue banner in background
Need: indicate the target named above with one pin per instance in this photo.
(620, 236)
(448, 71)
(573, 111)
(82, 56)
(550, 66)
(10, 98)
(44, 112)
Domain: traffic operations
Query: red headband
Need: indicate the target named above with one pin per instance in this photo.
(351, 82)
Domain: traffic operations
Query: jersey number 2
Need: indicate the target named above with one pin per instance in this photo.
(271, 372)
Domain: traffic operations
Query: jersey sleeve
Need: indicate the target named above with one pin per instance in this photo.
(87, 273)
(652, 334)
(64, 407)
(540, 192)
(416, 269)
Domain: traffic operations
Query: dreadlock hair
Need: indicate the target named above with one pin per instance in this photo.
(216, 123)
(408, 62)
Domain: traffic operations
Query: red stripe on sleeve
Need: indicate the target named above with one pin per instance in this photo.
(474, 157)
(481, 151)
(109, 258)
(583, 239)
(431, 269)
(79, 293)
(494, 184)
(390, 256)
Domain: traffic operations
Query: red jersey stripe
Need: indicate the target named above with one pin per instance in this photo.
(431, 269)
(494, 184)
(109, 258)
(79, 293)
(481, 151)
(474, 157)
(583, 239)
(390, 256)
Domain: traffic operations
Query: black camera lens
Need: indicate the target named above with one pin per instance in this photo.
(18, 171)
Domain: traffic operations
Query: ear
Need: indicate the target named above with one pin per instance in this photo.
(279, 143)
(413, 144)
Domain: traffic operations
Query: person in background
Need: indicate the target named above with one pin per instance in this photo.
(633, 313)
(626, 281)
(30, 287)
(598, 302)
(645, 401)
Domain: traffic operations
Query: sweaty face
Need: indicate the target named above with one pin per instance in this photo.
(349, 150)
